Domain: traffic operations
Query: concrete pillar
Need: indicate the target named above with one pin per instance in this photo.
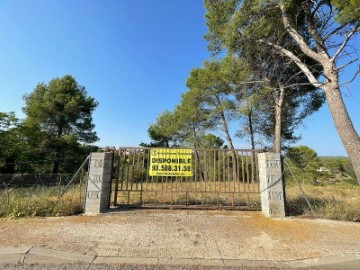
(99, 183)
(271, 185)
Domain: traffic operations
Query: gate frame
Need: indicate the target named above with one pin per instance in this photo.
(272, 189)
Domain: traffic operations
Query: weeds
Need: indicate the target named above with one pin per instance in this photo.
(40, 201)
(337, 201)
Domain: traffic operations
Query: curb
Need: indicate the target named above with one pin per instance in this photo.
(40, 255)
(13, 255)
(43, 256)
(339, 261)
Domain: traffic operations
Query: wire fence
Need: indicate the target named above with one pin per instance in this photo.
(39, 194)
(328, 200)
(23, 195)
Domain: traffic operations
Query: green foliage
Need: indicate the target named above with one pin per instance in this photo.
(348, 11)
(7, 121)
(254, 80)
(217, 97)
(61, 108)
(339, 165)
(235, 28)
(192, 119)
(302, 156)
(12, 142)
(303, 163)
(185, 127)
(59, 119)
(210, 141)
(163, 132)
(204, 107)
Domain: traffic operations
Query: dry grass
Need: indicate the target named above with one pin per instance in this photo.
(338, 201)
(229, 193)
(41, 201)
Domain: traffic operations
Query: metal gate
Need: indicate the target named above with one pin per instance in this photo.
(221, 178)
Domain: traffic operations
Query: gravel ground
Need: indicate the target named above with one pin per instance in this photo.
(178, 234)
(123, 267)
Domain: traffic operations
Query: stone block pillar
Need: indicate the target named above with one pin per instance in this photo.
(271, 185)
(98, 183)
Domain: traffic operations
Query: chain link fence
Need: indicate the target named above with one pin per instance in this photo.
(24, 195)
(311, 198)
(39, 194)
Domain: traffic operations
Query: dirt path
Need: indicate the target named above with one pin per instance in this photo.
(185, 234)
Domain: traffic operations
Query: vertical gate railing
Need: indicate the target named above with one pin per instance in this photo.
(222, 178)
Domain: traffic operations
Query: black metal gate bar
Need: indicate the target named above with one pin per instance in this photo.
(222, 178)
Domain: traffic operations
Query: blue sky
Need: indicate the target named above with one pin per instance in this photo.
(131, 56)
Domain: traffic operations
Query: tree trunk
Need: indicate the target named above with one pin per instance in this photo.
(344, 125)
(279, 100)
(197, 156)
(231, 146)
(228, 138)
(224, 123)
(251, 130)
(252, 140)
(56, 163)
(58, 150)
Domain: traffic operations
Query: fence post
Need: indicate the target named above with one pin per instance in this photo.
(271, 185)
(98, 183)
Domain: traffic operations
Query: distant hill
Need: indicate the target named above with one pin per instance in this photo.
(333, 157)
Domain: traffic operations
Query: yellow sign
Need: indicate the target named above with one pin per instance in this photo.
(170, 162)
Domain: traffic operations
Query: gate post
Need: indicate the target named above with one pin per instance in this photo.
(98, 183)
(271, 185)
